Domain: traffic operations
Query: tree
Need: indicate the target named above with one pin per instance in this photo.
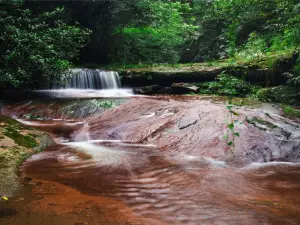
(240, 28)
(35, 48)
(156, 33)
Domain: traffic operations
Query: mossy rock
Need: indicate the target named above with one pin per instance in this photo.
(261, 124)
(12, 128)
(291, 112)
(17, 144)
(280, 94)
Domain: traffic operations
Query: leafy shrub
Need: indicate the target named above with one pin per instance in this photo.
(291, 112)
(157, 34)
(294, 77)
(35, 48)
(256, 47)
(280, 94)
(227, 85)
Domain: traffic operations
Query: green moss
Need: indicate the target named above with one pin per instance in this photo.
(11, 130)
(33, 135)
(267, 61)
(10, 121)
(23, 140)
(261, 124)
(281, 94)
(23, 157)
(291, 112)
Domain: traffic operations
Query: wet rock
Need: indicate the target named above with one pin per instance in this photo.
(152, 89)
(186, 123)
(5, 212)
(184, 88)
(27, 179)
(53, 204)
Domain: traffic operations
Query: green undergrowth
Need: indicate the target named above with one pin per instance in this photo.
(290, 111)
(285, 94)
(267, 60)
(226, 85)
(232, 86)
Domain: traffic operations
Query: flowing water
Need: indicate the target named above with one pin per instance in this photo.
(87, 83)
(92, 79)
(159, 160)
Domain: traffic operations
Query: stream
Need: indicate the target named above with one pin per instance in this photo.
(156, 160)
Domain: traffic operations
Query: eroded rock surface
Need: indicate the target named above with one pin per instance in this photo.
(164, 160)
(198, 127)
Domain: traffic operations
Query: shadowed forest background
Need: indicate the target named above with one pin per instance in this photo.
(40, 40)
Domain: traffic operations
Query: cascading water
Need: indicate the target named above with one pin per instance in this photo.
(92, 79)
(87, 83)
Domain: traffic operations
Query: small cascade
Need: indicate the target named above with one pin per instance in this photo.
(86, 83)
(92, 79)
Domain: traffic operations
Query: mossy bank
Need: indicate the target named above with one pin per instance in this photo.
(17, 143)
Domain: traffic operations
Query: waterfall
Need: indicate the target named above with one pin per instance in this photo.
(92, 79)
(86, 83)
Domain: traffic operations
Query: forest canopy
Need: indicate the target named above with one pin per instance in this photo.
(41, 39)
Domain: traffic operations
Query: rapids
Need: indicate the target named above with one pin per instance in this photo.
(158, 160)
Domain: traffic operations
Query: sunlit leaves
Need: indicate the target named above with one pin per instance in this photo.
(158, 33)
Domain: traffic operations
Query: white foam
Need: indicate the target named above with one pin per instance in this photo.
(122, 142)
(205, 160)
(45, 124)
(100, 154)
(258, 165)
(87, 93)
(147, 116)
(83, 134)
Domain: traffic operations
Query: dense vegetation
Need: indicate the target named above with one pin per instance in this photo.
(35, 47)
(205, 30)
(41, 39)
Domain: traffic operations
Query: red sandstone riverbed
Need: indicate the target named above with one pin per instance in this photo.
(162, 161)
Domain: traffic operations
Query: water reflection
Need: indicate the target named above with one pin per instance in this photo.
(174, 189)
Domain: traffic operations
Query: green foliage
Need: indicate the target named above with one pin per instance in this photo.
(291, 111)
(254, 49)
(250, 29)
(35, 47)
(158, 34)
(104, 104)
(227, 85)
(294, 77)
(38, 46)
(231, 126)
(280, 94)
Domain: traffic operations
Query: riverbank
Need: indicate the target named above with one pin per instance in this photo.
(17, 143)
(265, 71)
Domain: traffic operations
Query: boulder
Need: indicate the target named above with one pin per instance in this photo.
(152, 89)
(184, 88)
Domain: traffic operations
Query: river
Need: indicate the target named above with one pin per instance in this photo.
(157, 160)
